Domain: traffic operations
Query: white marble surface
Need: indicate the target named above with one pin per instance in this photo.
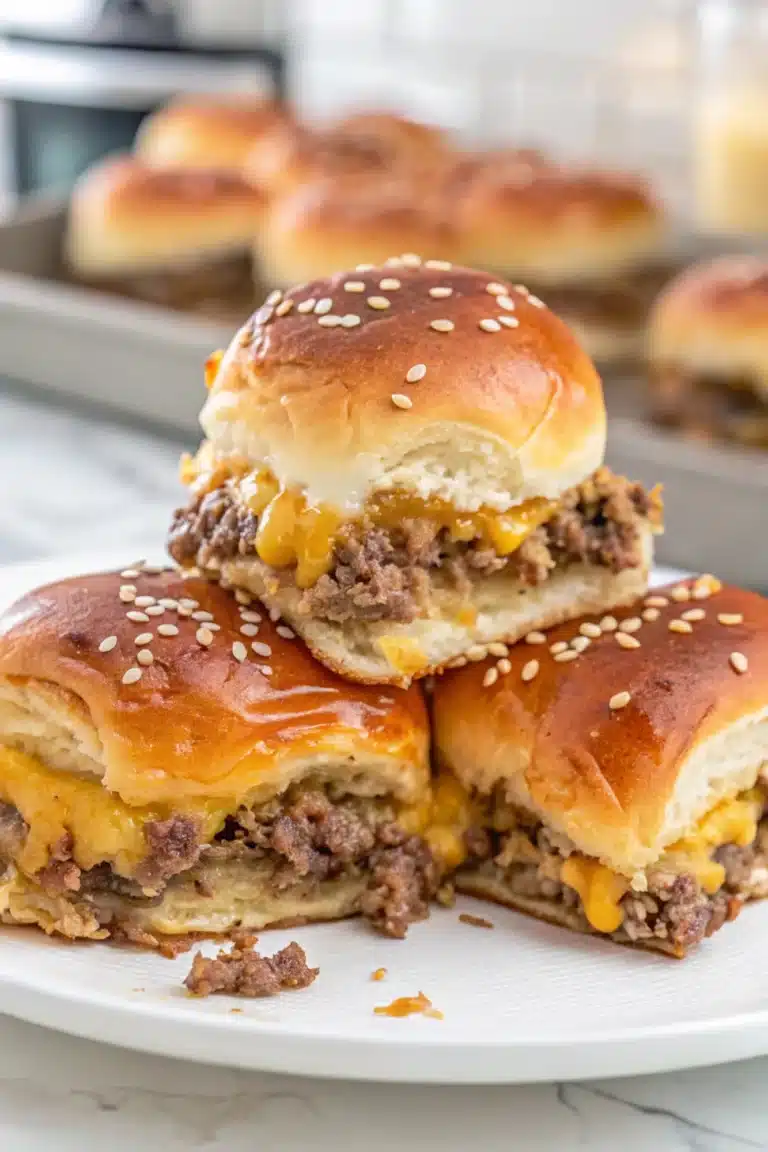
(72, 483)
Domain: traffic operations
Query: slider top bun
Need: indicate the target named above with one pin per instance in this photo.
(503, 411)
(409, 139)
(554, 224)
(624, 782)
(208, 131)
(713, 318)
(126, 217)
(209, 717)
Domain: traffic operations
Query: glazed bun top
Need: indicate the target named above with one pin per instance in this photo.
(623, 748)
(223, 704)
(413, 375)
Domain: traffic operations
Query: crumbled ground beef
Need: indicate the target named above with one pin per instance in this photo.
(244, 972)
(13, 832)
(382, 574)
(174, 846)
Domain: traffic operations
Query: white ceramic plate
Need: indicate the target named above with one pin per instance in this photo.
(523, 1002)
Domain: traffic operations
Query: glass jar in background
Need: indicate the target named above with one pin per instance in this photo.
(730, 137)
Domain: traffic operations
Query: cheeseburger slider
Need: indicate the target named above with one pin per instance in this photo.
(708, 351)
(170, 237)
(404, 461)
(171, 761)
(616, 770)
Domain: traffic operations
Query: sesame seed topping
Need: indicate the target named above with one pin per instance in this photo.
(416, 373)
(440, 292)
(730, 618)
(260, 648)
(284, 631)
(591, 630)
(535, 638)
(438, 265)
(242, 596)
(580, 643)
(137, 617)
(476, 652)
(609, 624)
(491, 676)
(459, 662)
(681, 626)
(329, 321)
(498, 648)
(132, 675)
(490, 326)
(566, 657)
(509, 321)
(127, 593)
(284, 308)
(680, 593)
(530, 669)
(620, 700)
(213, 627)
(202, 615)
(496, 289)
(307, 305)
(354, 286)
(167, 630)
(183, 610)
(265, 669)
(274, 615)
(410, 260)
(389, 284)
(739, 662)
(108, 643)
(657, 602)
(558, 647)
(350, 320)
(693, 614)
(250, 617)
(239, 651)
(130, 573)
(537, 303)
(391, 262)
(504, 666)
(625, 641)
(323, 306)
(521, 288)
(651, 614)
(204, 636)
(379, 303)
(274, 298)
(155, 610)
(365, 267)
(249, 629)
(401, 401)
(631, 624)
(189, 603)
(145, 657)
(506, 302)
(442, 325)
(143, 638)
(168, 602)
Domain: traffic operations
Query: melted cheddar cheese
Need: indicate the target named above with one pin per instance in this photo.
(443, 818)
(600, 888)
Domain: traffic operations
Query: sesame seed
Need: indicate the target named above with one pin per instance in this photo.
(410, 260)
(365, 267)
(239, 651)
(155, 610)
(143, 638)
(379, 303)
(108, 643)
(730, 618)
(350, 320)
(631, 624)
(137, 617)
(693, 614)
(389, 284)
(167, 630)
(249, 629)
(459, 662)
(506, 302)
(127, 593)
(284, 308)
(329, 321)
(580, 643)
(354, 286)
(145, 657)
(323, 306)
(504, 666)
(537, 303)
(250, 617)
(391, 262)
(657, 602)
(442, 325)
(416, 373)
(168, 602)
(491, 676)
(204, 636)
(521, 288)
(274, 298)
(284, 631)
(592, 630)
(132, 675)
(739, 662)
(509, 321)
(202, 615)
(130, 573)
(274, 615)
(439, 292)
(401, 401)
(189, 603)
(265, 669)
(438, 265)
(307, 305)
(476, 652)
(530, 669)
(681, 626)
(651, 614)
(497, 648)
(260, 648)
(153, 569)
(625, 641)
(242, 596)
(535, 638)
(213, 627)
(490, 325)
(183, 611)
(620, 700)
(558, 647)
(566, 657)
(609, 624)
(496, 289)
(680, 594)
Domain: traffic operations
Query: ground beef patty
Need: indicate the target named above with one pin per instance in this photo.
(385, 574)
(709, 407)
(244, 972)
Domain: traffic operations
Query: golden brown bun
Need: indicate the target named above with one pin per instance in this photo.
(554, 225)
(713, 319)
(621, 783)
(500, 416)
(408, 139)
(199, 722)
(208, 131)
(124, 217)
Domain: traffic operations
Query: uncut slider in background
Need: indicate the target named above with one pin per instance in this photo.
(172, 761)
(616, 773)
(405, 462)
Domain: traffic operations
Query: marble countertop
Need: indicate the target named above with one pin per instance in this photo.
(72, 482)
